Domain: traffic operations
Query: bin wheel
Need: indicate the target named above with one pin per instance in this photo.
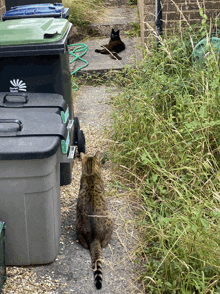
(65, 173)
(81, 142)
(76, 128)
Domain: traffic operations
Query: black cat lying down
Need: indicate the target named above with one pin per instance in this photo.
(114, 46)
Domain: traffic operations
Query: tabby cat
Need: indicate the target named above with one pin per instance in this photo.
(114, 46)
(94, 223)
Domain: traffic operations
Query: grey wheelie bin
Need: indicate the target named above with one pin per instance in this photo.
(33, 143)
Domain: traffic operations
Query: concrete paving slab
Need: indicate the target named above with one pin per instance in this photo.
(119, 18)
(72, 267)
(117, 3)
(101, 63)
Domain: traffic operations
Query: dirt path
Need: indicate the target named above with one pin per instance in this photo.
(93, 109)
(71, 271)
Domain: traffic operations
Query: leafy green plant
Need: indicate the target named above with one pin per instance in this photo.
(104, 158)
(132, 2)
(135, 31)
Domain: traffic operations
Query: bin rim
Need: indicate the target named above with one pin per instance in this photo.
(36, 49)
(32, 31)
(37, 10)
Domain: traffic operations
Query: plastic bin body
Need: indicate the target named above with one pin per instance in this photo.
(34, 57)
(30, 159)
(41, 74)
(37, 10)
(30, 206)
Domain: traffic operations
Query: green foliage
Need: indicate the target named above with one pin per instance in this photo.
(104, 158)
(167, 134)
(132, 2)
(135, 31)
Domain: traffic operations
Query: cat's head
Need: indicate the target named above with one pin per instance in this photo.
(91, 164)
(114, 35)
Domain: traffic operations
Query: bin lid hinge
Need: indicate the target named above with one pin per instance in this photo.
(65, 115)
(65, 144)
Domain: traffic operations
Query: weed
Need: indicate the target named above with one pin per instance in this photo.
(135, 31)
(96, 78)
(132, 2)
(104, 158)
(82, 13)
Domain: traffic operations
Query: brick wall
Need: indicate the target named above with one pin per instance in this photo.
(174, 12)
(2, 7)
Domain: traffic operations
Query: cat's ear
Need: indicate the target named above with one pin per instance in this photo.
(117, 33)
(113, 31)
(98, 156)
(82, 156)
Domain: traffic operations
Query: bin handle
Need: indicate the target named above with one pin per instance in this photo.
(50, 35)
(12, 121)
(5, 100)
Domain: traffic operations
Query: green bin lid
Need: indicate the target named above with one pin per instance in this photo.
(203, 48)
(32, 31)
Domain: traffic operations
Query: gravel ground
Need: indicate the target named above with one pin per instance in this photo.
(71, 271)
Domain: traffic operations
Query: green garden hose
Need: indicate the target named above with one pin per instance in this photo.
(79, 48)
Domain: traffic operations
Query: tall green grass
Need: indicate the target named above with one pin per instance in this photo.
(82, 13)
(167, 134)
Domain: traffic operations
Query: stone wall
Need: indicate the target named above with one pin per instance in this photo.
(174, 11)
(2, 7)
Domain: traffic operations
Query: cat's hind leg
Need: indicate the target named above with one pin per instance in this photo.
(114, 55)
(83, 242)
(102, 51)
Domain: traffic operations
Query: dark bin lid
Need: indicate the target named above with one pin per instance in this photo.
(27, 134)
(31, 100)
(37, 10)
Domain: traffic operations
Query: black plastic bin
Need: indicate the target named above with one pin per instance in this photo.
(41, 103)
(34, 57)
(12, 3)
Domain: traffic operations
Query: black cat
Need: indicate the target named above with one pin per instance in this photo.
(114, 46)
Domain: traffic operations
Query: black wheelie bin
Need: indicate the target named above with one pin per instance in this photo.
(34, 58)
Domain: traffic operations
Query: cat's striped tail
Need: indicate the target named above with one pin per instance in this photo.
(96, 255)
